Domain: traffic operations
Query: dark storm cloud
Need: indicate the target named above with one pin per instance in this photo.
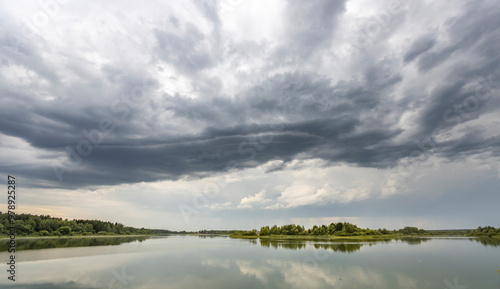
(478, 25)
(27, 55)
(310, 118)
(187, 48)
(469, 84)
(283, 116)
(186, 51)
(418, 47)
(473, 142)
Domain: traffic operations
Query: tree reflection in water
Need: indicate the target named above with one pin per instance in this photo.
(61, 242)
(298, 245)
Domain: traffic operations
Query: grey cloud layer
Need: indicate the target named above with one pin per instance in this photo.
(293, 114)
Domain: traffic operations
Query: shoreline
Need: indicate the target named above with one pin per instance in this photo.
(87, 236)
(350, 238)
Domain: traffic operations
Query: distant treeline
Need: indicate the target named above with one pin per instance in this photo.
(204, 232)
(487, 231)
(348, 229)
(45, 225)
(216, 232)
(334, 229)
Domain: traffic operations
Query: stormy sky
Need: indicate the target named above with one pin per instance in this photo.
(238, 114)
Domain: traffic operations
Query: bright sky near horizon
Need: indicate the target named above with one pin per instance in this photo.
(188, 115)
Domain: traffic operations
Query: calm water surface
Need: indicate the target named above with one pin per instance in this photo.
(195, 262)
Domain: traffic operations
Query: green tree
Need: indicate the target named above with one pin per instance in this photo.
(38, 222)
(78, 229)
(275, 230)
(331, 229)
(32, 223)
(64, 230)
(349, 228)
(88, 228)
(45, 225)
(264, 231)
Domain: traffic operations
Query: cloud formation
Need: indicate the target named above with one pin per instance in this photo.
(250, 201)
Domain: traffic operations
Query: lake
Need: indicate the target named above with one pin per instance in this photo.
(222, 262)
